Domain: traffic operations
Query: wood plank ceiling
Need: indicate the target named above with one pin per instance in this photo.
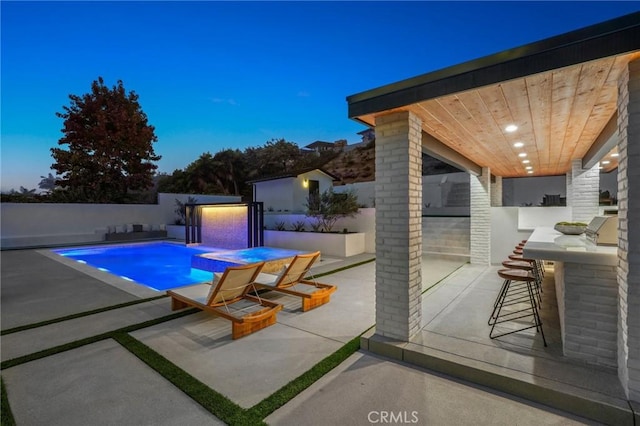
(559, 115)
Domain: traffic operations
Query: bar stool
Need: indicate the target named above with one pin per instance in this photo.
(538, 263)
(511, 294)
(529, 266)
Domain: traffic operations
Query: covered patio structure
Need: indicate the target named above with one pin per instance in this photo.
(568, 105)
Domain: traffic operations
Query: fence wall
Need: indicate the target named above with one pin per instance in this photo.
(35, 224)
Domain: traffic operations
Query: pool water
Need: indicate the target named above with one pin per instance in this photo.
(160, 265)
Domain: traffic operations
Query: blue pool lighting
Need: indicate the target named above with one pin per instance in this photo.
(159, 265)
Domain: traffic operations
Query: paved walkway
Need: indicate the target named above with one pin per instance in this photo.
(104, 383)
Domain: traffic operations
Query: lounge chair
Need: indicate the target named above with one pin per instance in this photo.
(291, 281)
(228, 296)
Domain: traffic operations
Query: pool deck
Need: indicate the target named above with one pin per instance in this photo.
(102, 382)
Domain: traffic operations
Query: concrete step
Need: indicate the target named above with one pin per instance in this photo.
(444, 355)
(445, 249)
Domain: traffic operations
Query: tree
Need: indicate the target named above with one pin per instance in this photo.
(230, 171)
(328, 207)
(48, 183)
(110, 145)
(277, 156)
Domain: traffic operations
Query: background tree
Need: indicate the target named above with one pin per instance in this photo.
(47, 183)
(231, 172)
(110, 146)
(277, 156)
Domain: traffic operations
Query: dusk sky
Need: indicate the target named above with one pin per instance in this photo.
(217, 75)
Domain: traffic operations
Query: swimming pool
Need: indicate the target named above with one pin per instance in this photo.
(159, 265)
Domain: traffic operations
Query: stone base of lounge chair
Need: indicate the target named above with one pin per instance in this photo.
(291, 281)
(244, 326)
(228, 297)
(318, 298)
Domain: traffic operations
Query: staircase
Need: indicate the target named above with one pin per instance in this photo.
(446, 235)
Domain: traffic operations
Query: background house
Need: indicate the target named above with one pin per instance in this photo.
(289, 192)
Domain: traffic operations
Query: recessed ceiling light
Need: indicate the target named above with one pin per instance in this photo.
(518, 144)
(605, 162)
(600, 167)
(530, 171)
(511, 128)
(529, 167)
(525, 161)
(615, 154)
(522, 154)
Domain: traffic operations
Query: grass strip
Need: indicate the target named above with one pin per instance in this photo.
(82, 342)
(297, 385)
(6, 416)
(214, 402)
(78, 315)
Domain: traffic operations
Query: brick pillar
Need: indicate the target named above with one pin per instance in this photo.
(481, 217)
(585, 192)
(629, 230)
(496, 191)
(398, 225)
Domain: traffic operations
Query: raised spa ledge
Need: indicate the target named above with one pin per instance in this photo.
(548, 244)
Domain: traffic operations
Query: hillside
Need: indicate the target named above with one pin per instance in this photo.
(359, 165)
(356, 165)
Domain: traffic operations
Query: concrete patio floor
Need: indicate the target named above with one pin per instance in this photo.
(104, 383)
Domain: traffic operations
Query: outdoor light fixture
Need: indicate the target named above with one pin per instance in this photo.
(518, 144)
(525, 161)
(522, 154)
(305, 183)
(511, 128)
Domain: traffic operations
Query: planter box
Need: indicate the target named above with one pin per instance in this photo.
(329, 244)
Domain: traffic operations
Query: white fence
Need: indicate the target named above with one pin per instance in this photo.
(34, 224)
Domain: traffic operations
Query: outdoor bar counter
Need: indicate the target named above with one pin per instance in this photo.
(586, 291)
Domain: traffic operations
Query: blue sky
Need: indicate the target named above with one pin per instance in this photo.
(216, 75)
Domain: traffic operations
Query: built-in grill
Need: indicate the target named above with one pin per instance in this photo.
(603, 230)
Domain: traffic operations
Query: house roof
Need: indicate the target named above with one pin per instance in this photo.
(319, 144)
(294, 174)
(561, 92)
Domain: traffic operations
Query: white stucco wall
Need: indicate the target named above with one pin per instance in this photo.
(277, 195)
(289, 194)
(26, 224)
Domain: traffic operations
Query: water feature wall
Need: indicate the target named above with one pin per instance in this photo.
(225, 226)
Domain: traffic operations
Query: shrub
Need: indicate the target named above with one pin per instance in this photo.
(298, 226)
(328, 207)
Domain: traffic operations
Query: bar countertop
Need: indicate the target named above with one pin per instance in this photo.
(548, 244)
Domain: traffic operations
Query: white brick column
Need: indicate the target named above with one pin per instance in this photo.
(481, 217)
(398, 225)
(496, 191)
(585, 192)
(629, 230)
